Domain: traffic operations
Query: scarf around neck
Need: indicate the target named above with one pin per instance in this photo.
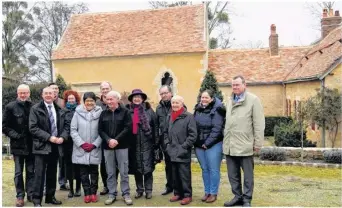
(139, 116)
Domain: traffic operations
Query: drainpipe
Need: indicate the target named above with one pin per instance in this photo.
(323, 127)
(284, 98)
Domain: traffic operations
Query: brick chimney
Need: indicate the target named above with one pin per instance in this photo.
(330, 21)
(273, 41)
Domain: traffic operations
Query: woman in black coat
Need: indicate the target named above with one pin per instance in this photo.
(180, 134)
(144, 141)
(72, 100)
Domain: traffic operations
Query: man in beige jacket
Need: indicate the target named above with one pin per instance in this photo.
(243, 134)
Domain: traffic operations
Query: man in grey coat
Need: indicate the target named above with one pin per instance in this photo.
(243, 134)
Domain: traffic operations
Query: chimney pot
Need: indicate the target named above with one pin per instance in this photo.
(273, 29)
(331, 12)
(273, 41)
(337, 13)
(329, 22)
(325, 13)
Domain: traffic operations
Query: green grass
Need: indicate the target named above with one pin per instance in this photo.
(274, 186)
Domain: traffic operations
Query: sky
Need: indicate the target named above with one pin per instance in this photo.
(251, 21)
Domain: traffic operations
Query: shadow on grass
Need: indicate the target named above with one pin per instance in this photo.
(273, 186)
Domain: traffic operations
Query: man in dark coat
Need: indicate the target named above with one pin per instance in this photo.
(62, 179)
(144, 141)
(105, 87)
(114, 126)
(163, 109)
(179, 136)
(49, 129)
(15, 125)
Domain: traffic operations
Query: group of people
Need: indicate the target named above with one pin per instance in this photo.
(132, 139)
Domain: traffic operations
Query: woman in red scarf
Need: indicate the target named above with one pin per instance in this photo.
(179, 136)
(144, 141)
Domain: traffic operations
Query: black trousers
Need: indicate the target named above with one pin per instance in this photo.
(103, 170)
(181, 173)
(19, 161)
(45, 168)
(234, 165)
(168, 171)
(62, 180)
(89, 186)
(72, 170)
(144, 182)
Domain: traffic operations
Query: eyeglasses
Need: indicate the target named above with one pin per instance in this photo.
(89, 101)
(163, 93)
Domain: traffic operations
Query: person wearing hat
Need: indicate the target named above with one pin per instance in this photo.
(87, 144)
(144, 139)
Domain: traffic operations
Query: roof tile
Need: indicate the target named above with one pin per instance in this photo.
(158, 31)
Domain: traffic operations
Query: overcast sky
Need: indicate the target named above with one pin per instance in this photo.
(250, 21)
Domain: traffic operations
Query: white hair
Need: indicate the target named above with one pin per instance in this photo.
(177, 97)
(114, 94)
(23, 86)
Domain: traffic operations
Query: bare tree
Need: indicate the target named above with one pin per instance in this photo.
(18, 31)
(315, 9)
(53, 17)
(252, 44)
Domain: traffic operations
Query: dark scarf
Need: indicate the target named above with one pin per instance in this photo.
(71, 106)
(139, 116)
(167, 104)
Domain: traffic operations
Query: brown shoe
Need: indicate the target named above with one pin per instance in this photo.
(211, 199)
(186, 201)
(175, 198)
(205, 197)
(19, 203)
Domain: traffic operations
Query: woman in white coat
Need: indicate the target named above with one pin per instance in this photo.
(87, 144)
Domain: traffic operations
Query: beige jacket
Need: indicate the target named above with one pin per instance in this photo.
(245, 125)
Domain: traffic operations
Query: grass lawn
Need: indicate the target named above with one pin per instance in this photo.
(274, 186)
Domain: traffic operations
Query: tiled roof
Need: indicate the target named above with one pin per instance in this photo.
(256, 65)
(142, 32)
(320, 58)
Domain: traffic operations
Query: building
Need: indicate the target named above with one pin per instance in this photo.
(147, 48)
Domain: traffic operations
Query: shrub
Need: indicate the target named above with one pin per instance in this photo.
(272, 121)
(9, 92)
(62, 85)
(273, 154)
(333, 156)
(289, 135)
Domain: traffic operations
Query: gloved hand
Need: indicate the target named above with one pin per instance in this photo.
(85, 146)
(91, 147)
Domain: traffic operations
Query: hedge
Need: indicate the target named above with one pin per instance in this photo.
(272, 121)
(9, 92)
(333, 156)
(289, 135)
(273, 154)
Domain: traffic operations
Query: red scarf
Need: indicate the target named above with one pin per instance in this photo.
(135, 120)
(175, 114)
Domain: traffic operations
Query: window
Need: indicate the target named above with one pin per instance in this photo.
(167, 79)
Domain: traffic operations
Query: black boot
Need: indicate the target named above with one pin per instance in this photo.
(78, 189)
(71, 192)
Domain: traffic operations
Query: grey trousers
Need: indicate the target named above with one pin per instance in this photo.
(234, 165)
(117, 157)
